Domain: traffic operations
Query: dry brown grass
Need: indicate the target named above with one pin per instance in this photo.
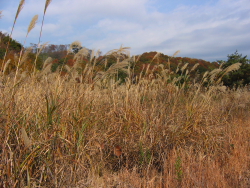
(159, 132)
(141, 136)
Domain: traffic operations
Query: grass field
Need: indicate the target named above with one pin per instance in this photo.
(85, 129)
(56, 133)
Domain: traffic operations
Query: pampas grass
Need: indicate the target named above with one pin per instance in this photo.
(47, 62)
(6, 66)
(194, 67)
(45, 9)
(172, 134)
(154, 121)
(25, 55)
(232, 67)
(156, 56)
(46, 5)
(176, 53)
(184, 67)
(20, 7)
(120, 53)
(229, 69)
(75, 44)
(32, 24)
(22, 58)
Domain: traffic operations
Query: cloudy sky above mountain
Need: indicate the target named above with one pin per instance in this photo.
(203, 29)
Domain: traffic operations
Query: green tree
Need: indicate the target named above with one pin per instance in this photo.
(2, 52)
(241, 77)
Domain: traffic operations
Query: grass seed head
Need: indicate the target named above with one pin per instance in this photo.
(6, 66)
(20, 7)
(32, 23)
(176, 53)
(46, 5)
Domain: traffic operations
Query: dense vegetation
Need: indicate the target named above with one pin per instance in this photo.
(61, 56)
(72, 117)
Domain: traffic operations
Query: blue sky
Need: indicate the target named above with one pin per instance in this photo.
(203, 29)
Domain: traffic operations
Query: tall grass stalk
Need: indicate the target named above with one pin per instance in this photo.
(22, 58)
(157, 132)
(151, 133)
(20, 7)
(38, 45)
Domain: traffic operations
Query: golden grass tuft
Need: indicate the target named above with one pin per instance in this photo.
(176, 53)
(169, 137)
(32, 23)
(47, 62)
(46, 5)
(184, 67)
(173, 133)
(194, 67)
(25, 55)
(6, 66)
(232, 67)
(20, 7)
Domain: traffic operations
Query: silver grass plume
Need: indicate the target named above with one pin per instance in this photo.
(42, 47)
(25, 55)
(214, 73)
(117, 66)
(79, 56)
(231, 68)
(84, 52)
(74, 44)
(6, 66)
(156, 56)
(138, 58)
(178, 67)
(119, 52)
(92, 55)
(32, 23)
(20, 7)
(45, 8)
(47, 62)
(46, 5)
(194, 67)
(46, 70)
(205, 74)
(176, 53)
(184, 67)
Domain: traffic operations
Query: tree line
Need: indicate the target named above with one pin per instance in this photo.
(64, 55)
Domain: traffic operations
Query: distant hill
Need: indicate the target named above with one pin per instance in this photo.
(60, 56)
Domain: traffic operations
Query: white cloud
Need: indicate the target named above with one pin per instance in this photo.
(196, 30)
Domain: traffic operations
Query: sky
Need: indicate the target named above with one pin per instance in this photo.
(202, 29)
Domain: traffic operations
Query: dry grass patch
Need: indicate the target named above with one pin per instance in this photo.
(58, 133)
